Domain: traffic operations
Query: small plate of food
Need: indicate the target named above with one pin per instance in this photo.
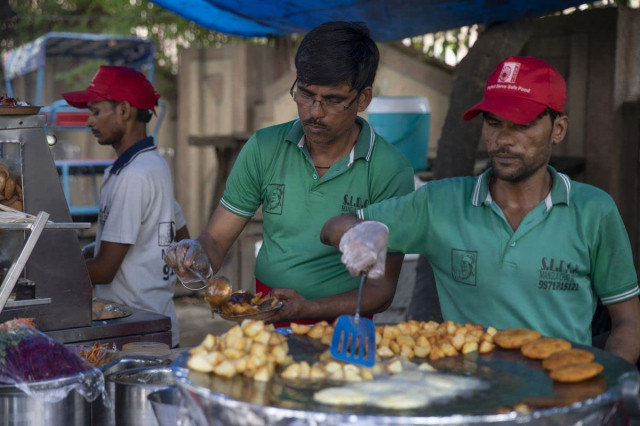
(240, 304)
(14, 106)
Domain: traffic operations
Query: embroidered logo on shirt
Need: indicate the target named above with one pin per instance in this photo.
(352, 203)
(166, 233)
(275, 198)
(463, 266)
(557, 275)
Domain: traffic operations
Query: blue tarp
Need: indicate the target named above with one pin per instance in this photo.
(117, 50)
(387, 19)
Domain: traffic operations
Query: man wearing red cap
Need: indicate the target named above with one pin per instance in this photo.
(521, 245)
(138, 214)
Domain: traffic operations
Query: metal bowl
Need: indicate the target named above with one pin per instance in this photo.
(103, 412)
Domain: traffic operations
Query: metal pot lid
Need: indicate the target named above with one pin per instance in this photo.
(512, 379)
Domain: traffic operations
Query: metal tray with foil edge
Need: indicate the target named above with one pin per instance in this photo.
(512, 379)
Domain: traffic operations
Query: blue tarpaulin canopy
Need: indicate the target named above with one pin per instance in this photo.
(387, 19)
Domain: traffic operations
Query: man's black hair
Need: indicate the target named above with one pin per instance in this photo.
(553, 114)
(337, 52)
(143, 115)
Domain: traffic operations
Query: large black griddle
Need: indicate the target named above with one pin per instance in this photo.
(512, 379)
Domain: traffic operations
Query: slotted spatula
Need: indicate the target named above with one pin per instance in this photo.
(354, 338)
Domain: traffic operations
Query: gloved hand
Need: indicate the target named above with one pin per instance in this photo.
(364, 248)
(185, 256)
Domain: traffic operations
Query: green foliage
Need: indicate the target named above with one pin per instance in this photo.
(445, 45)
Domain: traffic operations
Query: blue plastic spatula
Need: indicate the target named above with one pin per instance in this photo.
(354, 338)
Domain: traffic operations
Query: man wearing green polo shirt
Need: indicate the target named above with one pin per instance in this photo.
(326, 163)
(521, 245)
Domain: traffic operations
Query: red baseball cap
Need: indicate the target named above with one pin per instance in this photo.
(519, 89)
(115, 83)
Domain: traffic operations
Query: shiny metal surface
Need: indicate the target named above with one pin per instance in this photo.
(58, 402)
(17, 266)
(138, 326)
(166, 405)
(132, 387)
(56, 264)
(103, 408)
(512, 378)
(18, 409)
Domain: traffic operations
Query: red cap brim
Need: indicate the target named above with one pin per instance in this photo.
(516, 110)
(81, 98)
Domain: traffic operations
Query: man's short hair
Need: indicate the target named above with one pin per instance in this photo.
(336, 52)
(142, 115)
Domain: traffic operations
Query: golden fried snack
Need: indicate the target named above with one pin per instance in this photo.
(222, 299)
(17, 205)
(515, 338)
(570, 356)
(569, 393)
(573, 373)
(544, 347)
(218, 291)
(9, 188)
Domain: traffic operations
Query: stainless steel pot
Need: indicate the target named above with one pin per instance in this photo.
(103, 408)
(132, 388)
(19, 409)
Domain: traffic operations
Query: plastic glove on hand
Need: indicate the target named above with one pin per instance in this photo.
(364, 248)
(187, 255)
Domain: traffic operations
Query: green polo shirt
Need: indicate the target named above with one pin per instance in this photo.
(547, 275)
(274, 169)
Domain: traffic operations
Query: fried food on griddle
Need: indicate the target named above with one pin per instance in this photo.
(570, 356)
(573, 373)
(253, 349)
(515, 338)
(544, 347)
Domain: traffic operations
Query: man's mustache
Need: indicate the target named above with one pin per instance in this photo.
(502, 151)
(315, 122)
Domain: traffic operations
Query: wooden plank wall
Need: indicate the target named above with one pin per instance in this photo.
(589, 49)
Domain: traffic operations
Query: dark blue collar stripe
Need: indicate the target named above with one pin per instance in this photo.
(144, 145)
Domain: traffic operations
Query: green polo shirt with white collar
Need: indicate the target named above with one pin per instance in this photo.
(274, 169)
(546, 275)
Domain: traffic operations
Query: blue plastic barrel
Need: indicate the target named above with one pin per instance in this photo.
(404, 122)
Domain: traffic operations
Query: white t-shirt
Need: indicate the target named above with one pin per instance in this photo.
(137, 207)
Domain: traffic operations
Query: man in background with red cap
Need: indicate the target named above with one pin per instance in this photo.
(139, 217)
(521, 245)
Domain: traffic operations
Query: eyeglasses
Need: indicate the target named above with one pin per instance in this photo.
(305, 100)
